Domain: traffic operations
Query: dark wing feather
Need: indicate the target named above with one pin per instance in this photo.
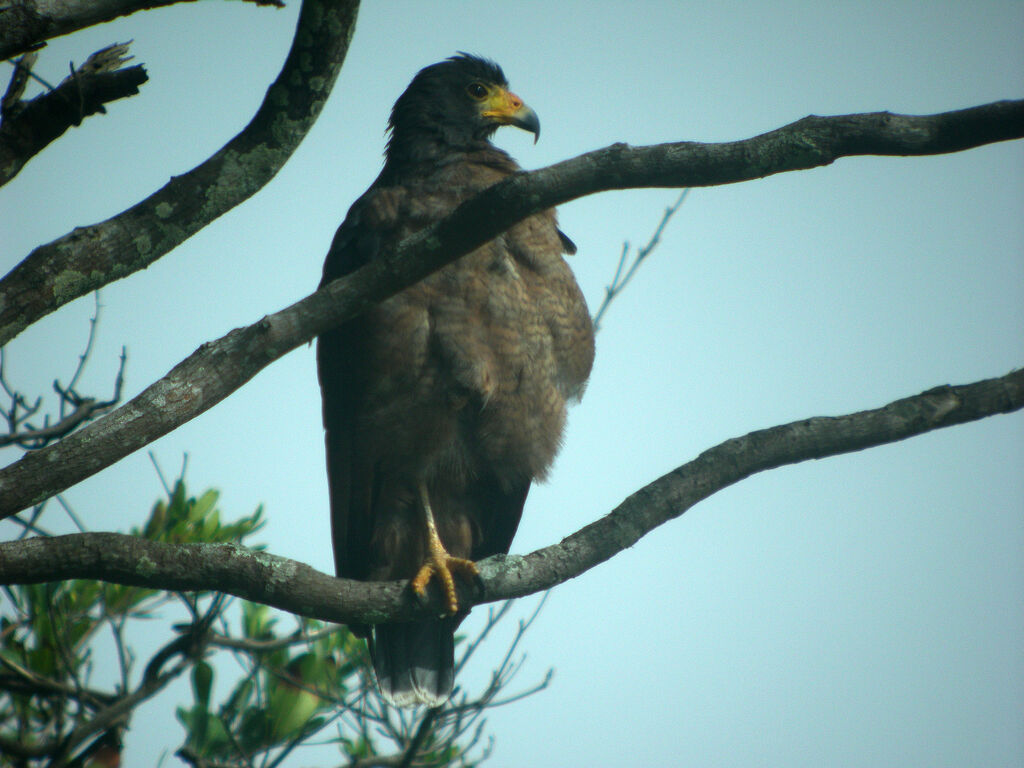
(338, 360)
(568, 246)
(498, 512)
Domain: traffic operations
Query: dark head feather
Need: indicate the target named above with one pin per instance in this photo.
(434, 110)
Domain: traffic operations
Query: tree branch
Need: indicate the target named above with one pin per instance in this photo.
(27, 25)
(90, 257)
(189, 646)
(84, 409)
(295, 587)
(218, 368)
(623, 275)
(28, 127)
(19, 80)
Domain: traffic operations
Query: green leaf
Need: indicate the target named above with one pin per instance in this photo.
(238, 702)
(202, 680)
(156, 525)
(257, 622)
(211, 528)
(294, 698)
(204, 504)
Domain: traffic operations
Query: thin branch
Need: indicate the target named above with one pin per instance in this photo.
(70, 513)
(19, 410)
(156, 678)
(620, 280)
(434, 736)
(297, 588)
(19, 80)
(21, 432)
(493, 618)
(92, 256)
(188, 647)
(376, 761)
(192, 757)
(462, 714)
(536, 688)
(26, 681)
(28, 127)
(84, 357)
(124, 654)
(263, 646)
(218, 368)
(27, 24)
(30, 526)
(417, 741)
(85, 410)
(160, 475)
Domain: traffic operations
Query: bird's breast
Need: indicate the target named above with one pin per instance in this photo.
(470, 370)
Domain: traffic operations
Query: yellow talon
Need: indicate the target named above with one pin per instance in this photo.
(439, 563)
(444, 567)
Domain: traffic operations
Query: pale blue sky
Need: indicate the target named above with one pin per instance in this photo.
(864, 610)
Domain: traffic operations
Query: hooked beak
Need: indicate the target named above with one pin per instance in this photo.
(505, 108)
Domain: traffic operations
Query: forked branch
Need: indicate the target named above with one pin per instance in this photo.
(295, 587)
(92, 256)
(27, 127)
(218, 368)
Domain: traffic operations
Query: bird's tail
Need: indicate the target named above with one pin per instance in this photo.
(415, 662)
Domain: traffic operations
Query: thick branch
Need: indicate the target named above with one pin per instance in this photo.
(27, 25)
(218, 368)
(295, 587)
(28, 127)
(90, 257)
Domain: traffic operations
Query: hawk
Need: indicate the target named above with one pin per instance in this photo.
(444, 403)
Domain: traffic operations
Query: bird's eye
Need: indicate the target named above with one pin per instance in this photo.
(476, 90)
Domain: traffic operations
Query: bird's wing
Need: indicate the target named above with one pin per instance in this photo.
(369, 224)
(497, 511)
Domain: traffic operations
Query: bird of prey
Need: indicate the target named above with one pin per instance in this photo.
(442, 404)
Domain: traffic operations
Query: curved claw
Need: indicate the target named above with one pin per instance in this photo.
(439, 563)
(444, 567)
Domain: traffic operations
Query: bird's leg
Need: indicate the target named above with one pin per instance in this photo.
(439, 563)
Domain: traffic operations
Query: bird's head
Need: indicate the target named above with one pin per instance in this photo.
(459, 102)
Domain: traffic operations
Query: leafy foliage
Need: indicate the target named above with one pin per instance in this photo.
(290, 682)
(49, 641)
(291, 688)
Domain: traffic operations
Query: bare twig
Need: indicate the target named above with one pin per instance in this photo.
(85, 410)
(263, 646)
(19, 409)
(23, 433)
(494, 616)
(25, 680)
(70, 513)
(620, 280)
(30, 126)
(84, 356)
(188, 646)
(190, 756)
(28, 24)
(426, 724)
(428, 737)
(19, 80)
(31, 525)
